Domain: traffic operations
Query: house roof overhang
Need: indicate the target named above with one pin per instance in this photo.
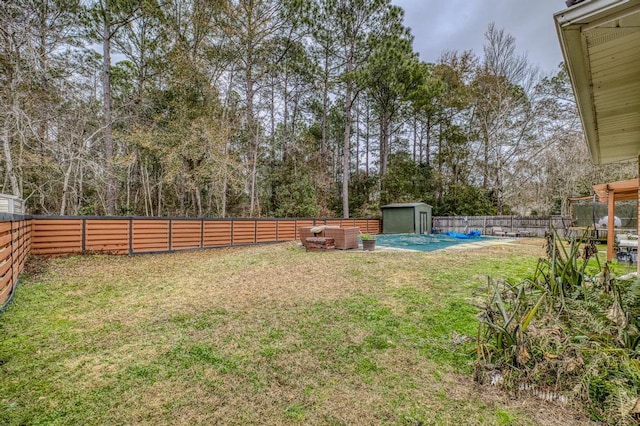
(600, 41)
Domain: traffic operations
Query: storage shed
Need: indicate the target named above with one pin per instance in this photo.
(11, 204)
(406, 218)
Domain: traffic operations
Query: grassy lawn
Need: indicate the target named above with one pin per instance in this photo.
(258, 335)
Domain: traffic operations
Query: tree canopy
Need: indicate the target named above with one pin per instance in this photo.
(274, 108)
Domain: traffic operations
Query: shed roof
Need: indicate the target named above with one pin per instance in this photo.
(10, 196)
(600, 41)
(401, 205)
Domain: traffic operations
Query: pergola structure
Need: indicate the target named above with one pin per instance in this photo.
(600, 41)
(610, 193)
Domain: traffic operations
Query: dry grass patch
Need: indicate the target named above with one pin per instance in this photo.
(256, 335)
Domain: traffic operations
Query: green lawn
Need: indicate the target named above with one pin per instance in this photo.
(258, 335)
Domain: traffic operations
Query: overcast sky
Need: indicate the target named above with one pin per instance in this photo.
(441, 25)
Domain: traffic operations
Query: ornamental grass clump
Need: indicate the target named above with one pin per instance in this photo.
(570, 332)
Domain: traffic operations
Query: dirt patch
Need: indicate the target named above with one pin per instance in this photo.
(37, 266)
(539, 412)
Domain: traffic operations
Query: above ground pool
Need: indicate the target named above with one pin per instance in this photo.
(423, 242)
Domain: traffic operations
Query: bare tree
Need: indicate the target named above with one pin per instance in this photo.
(504, 113)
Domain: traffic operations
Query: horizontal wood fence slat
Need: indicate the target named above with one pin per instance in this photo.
(217, 233)
(107, 236)
(286, 230)
(266, 232)
(57, 236)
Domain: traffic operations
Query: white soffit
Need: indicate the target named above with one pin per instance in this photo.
(600, 41)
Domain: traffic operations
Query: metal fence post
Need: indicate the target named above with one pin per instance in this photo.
(84, 235)
(130, 236)
(201, 232)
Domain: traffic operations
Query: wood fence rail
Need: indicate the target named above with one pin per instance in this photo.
(533, 225)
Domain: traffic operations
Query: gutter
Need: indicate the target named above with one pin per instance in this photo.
(594, 12)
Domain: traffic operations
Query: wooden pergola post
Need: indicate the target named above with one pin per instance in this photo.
(618, 191)
(611, 223)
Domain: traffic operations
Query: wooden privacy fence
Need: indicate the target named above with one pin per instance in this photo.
(135, 235)
(534, 225)
(46, 235)
(15, 243)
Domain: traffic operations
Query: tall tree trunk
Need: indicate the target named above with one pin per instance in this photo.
(357, 137)
(366, 140)
(272, 114)
(427, 147)
(106, 108)
(384, 143)
(254, 173)
(415, 138)
(223, 209)
(421, 142)
(440, 155)
(159, 206)
(65, 188)
(252, 127)
(294, 116)
(196, 193)
(325, 103)
(225, 182)
(44, 82)
(499, 190)
(5, 133)
(346, 149)
(146, 193)
(485, 164)
(80, 184)
(225, 178)
(285, 117)
(8, 159)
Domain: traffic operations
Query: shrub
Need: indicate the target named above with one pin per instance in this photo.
(572, 329)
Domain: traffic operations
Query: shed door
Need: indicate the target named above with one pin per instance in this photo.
(424, 222)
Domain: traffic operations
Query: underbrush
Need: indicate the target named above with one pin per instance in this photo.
(569, 332)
